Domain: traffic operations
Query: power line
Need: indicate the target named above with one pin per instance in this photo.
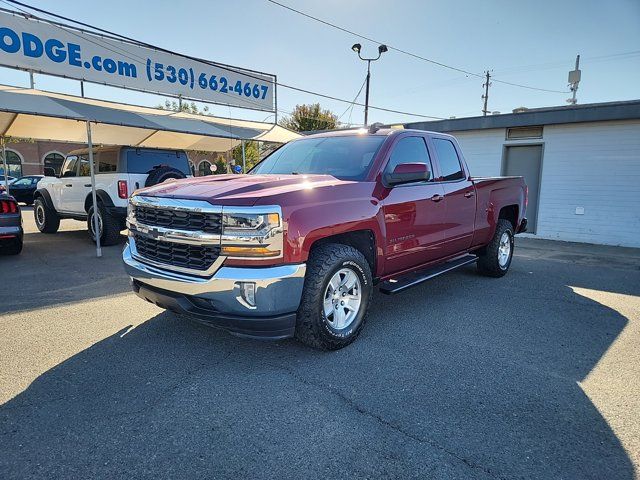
(354, 100)
(208, 62)
(406, 52)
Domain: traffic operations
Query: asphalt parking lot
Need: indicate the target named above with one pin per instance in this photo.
(536, 375)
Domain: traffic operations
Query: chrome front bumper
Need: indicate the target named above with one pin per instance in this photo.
(278, 289)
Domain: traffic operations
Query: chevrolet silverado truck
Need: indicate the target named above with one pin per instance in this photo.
(297, 246)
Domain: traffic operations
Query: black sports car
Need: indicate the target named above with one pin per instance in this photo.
(23, 188)
(11, 232)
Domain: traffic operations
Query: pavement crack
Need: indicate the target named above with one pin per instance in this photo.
(350, 403)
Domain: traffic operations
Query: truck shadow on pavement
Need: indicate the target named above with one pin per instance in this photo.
(464, 377)
(61, 268)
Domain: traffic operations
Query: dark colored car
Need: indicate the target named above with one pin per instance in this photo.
(11, 233)
(23, 188)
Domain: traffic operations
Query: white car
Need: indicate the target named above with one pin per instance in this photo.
(119, 172)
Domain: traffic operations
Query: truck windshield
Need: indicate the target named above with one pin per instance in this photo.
(344, 157)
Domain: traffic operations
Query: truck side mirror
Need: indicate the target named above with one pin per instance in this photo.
(407, 173)
(49, 172)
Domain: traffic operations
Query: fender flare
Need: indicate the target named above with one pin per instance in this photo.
(41, 192)
(101, 196)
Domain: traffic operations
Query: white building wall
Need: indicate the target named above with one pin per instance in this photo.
(594, 166)
(590, 166)
(483, 150)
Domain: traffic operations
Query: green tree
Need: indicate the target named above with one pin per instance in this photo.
(310, 117)
(187, 107)
(251, 154)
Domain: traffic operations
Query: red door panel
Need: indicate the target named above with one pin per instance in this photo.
(414, 224)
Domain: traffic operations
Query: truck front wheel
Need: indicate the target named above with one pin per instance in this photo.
(495, 259)
(47, 220)
(336, 295)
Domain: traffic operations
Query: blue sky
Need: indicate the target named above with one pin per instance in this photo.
(527, 42)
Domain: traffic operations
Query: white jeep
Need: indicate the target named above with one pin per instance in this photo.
(119, 172)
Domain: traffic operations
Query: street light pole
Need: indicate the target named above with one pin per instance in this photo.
(357, 48)
(366, 95)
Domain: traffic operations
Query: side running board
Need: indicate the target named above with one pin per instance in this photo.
(396, 285)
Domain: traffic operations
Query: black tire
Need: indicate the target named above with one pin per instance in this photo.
(489, 263)
(47, 220)
(110, 226)
(313, 327)
(161, 174)
(13, 248)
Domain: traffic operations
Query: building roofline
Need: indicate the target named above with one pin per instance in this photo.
(590, 112)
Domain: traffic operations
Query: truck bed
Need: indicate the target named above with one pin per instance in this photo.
(492, 192)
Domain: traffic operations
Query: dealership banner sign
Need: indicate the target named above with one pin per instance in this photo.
(52, 49)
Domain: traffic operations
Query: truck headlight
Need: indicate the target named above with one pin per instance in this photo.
(252, 232)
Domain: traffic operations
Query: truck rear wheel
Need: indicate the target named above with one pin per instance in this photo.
(495, 259)
(109, 227)
(336, 295)
(47, 220)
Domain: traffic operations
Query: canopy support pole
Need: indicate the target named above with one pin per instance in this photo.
(244, 159)
(96, 224)
(3, 142)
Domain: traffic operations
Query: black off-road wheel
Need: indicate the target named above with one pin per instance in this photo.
(108, 225)
(495, 258)
(47, 220)
(336, 295)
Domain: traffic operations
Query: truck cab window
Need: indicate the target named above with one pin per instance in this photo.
(410, 150)
(69, 167)
(450, 167)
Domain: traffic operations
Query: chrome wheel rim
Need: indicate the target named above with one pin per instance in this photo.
(40, 215)
(342, 299)
(504, 250)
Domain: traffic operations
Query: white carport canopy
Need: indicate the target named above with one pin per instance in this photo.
(39, 115)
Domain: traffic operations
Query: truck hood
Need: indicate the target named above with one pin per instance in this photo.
(241, 190)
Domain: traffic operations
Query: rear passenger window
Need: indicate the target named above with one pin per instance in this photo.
(108, 161)
(409, 150)
(450, 167)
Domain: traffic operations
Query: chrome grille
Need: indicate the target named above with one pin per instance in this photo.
(180, 219)
(196, 257)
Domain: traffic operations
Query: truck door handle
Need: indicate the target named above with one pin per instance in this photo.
(437, 198)
(68, 185)
(87, 184)
(468, 194)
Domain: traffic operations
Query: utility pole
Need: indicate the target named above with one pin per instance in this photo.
(485, 97)
(574, 80)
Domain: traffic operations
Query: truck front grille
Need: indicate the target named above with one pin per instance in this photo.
(195, 257)
(180, 219)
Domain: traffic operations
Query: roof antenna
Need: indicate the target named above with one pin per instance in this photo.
(375, 127)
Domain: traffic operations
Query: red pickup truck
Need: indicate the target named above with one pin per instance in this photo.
(296, 246)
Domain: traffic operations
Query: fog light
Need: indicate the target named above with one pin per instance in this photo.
(248, 292)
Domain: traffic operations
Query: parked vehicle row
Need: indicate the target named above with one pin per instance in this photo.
(296, 247)
(118, 171)
(23, 188)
